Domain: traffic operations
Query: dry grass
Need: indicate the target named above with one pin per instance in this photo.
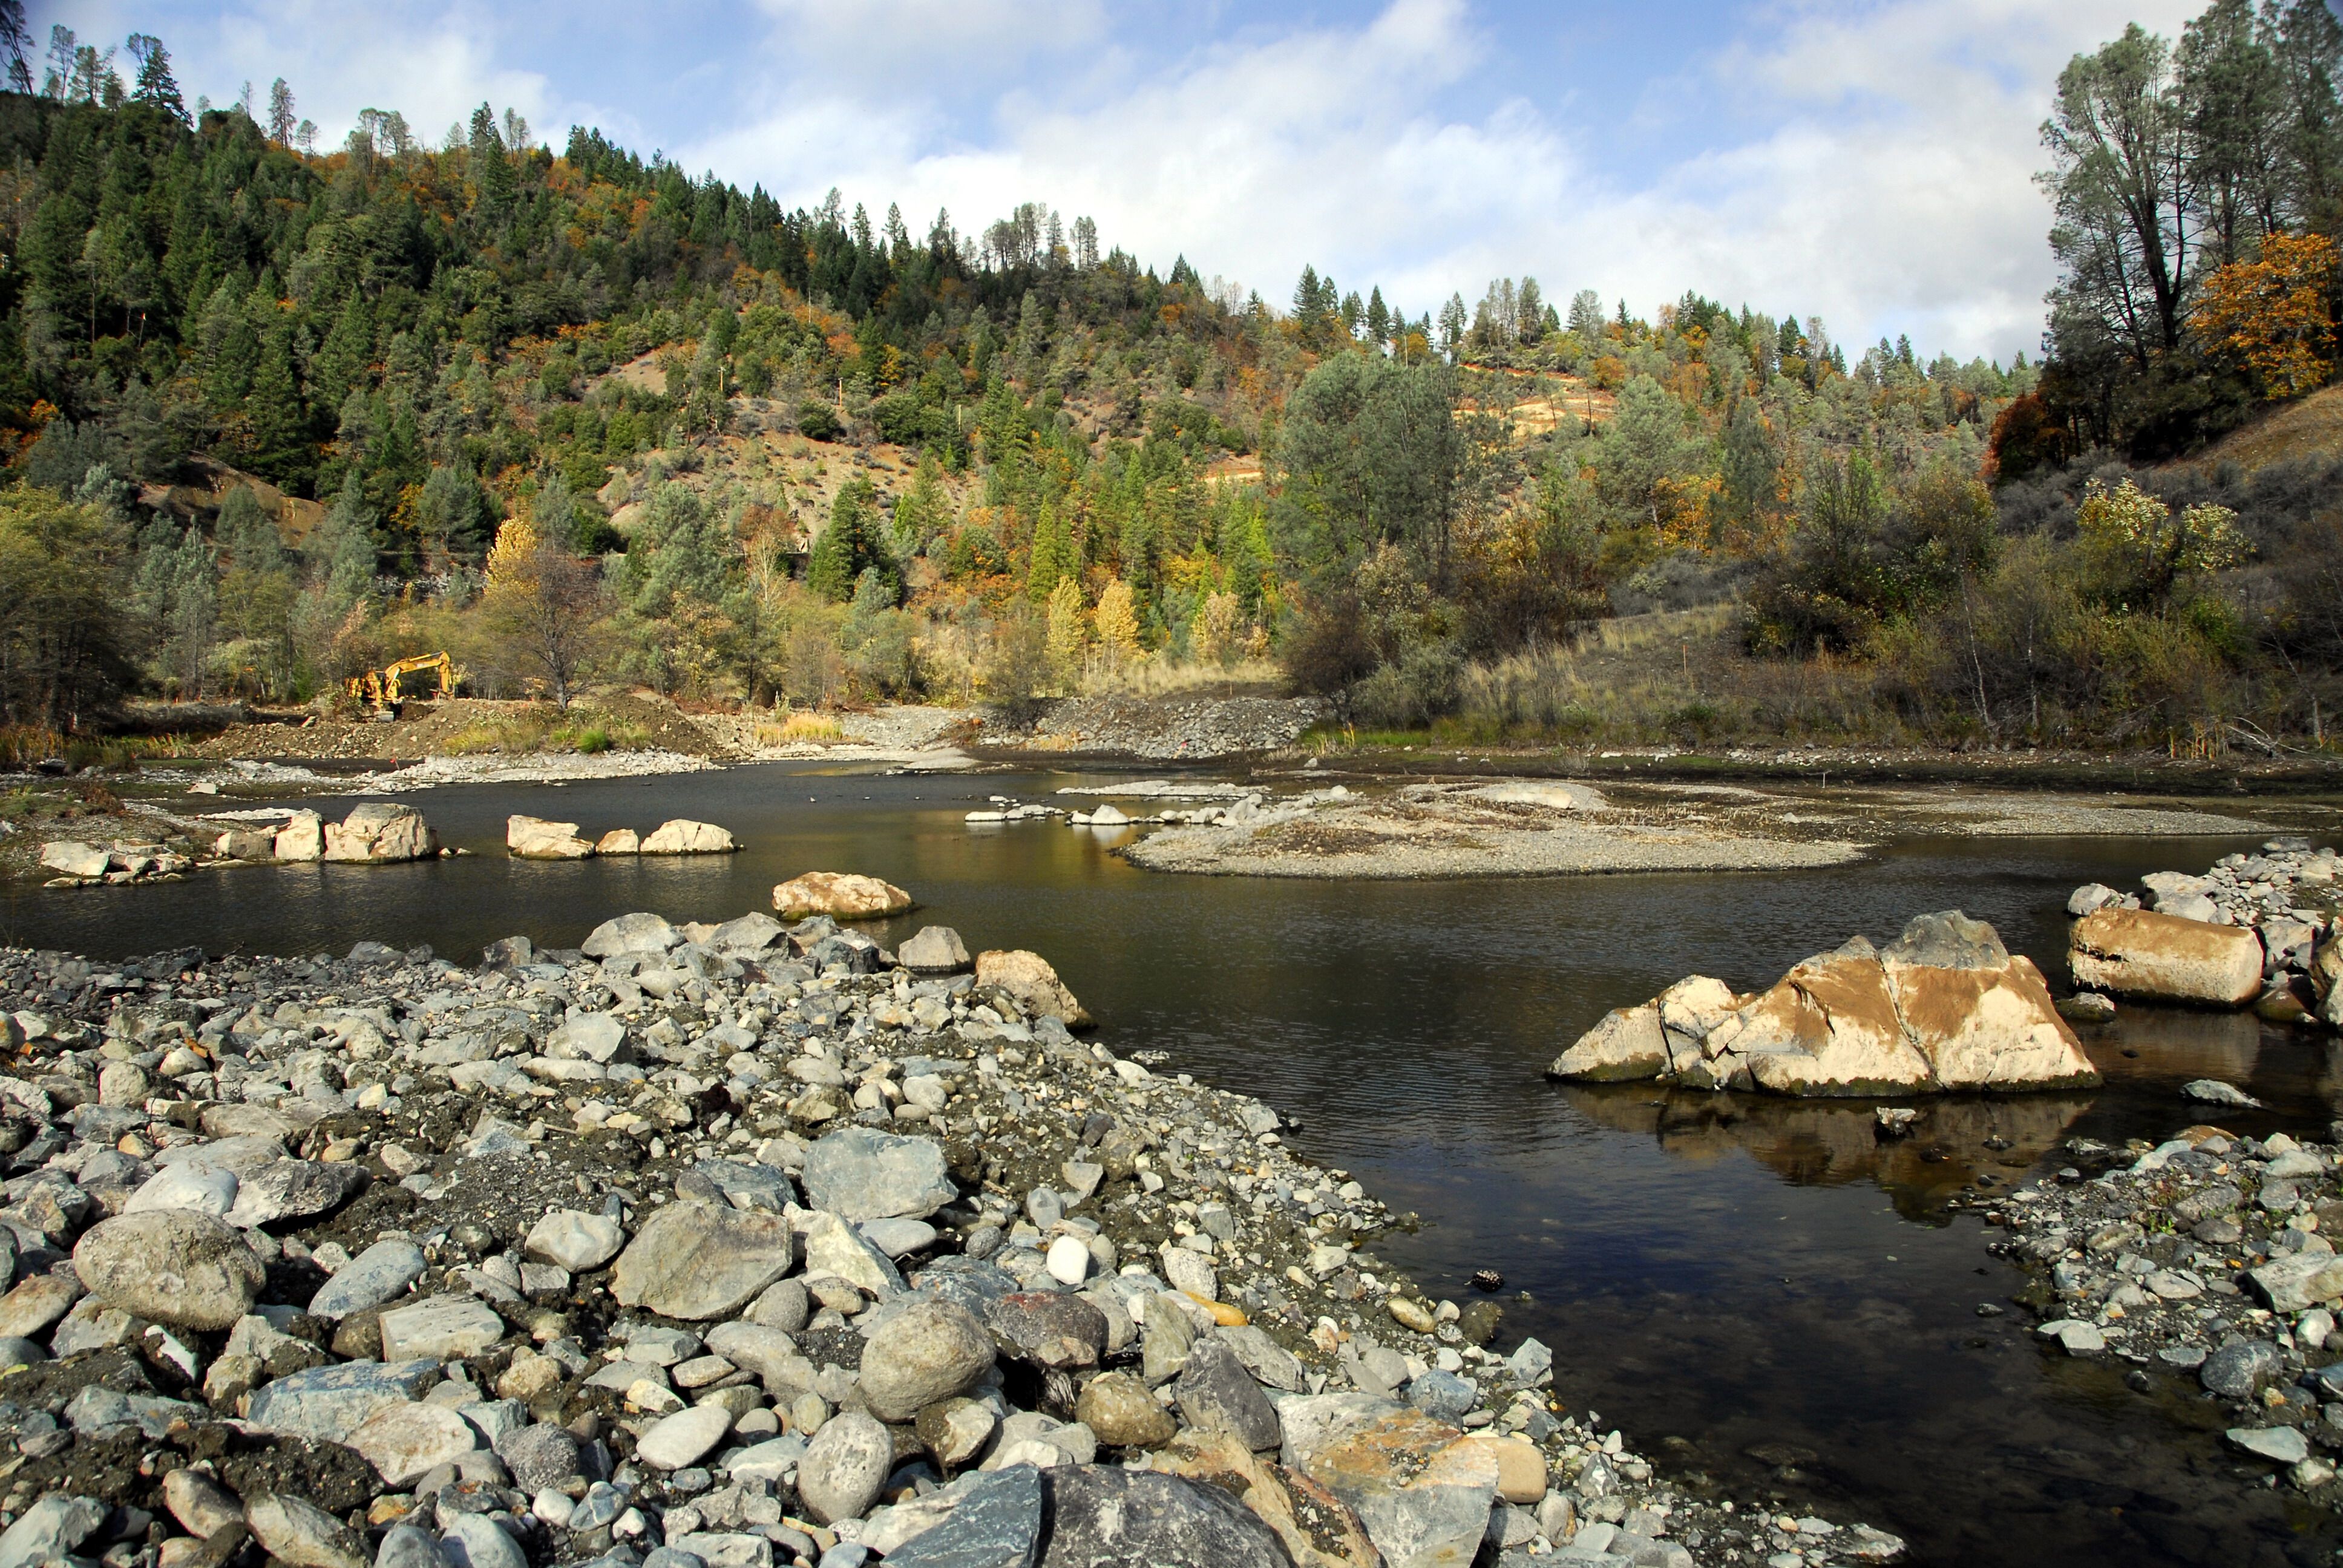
(797, 729)
(2310, 429)
(1162, 678)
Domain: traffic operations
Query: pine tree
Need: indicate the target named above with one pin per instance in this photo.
(851, 546)
(280, 420)
(492, 175)
(341, 551)
(280, 112)
(1052, 555)
(154, 85)
(1379, 317)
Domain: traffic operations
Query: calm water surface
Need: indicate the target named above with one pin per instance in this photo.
(1715, 1276)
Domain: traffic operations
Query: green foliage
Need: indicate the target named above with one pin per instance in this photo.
(63, 643)
(1368, 455)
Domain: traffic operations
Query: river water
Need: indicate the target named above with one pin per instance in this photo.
(1754, 1292)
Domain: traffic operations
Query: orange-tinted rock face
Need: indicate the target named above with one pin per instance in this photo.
(2140, 953)
(1946, 1007)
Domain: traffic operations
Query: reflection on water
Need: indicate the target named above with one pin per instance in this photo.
(1955, 1143)
(1716, 1275)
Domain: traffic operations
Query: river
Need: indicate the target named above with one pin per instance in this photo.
(1754, 1292)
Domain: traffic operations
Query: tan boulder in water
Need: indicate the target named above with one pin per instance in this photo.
(1827, 1026)
(1627, 1046)
(534, 838)
(2163, 957)
(840, 895)
(1945, 1006)
(620, 841)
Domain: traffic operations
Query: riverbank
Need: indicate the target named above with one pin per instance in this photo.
(425, 1211)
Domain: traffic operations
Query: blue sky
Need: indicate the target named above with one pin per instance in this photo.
(1868, 161)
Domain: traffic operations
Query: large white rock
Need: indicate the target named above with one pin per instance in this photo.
(2163, 957)
(1033, 982)
(534, 838)
(72, 857)
(684, 837)
(303, 838)
(1627, 1045)
(1945, 1006)
(381, 831)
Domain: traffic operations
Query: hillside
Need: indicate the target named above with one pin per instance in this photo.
(579, 417)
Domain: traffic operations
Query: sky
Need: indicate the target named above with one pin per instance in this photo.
(1867, 161)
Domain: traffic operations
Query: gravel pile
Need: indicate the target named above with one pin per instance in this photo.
(1163, 729)
(728, 1247)
(2204, 1264)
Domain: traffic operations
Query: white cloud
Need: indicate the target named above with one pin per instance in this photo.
(434, 64)
(1873, 165)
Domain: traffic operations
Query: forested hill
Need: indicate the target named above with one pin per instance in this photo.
(291, 396)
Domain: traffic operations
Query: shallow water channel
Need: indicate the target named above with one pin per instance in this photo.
(1754, 1292)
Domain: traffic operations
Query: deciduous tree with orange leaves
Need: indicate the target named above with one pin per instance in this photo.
(2273, 314)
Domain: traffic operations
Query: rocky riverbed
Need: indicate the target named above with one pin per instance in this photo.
(727, 1247)
(2205, 1264)
(1515, 826)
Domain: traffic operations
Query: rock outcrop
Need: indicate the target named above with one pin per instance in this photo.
(1944, 1006)
(2166, 958)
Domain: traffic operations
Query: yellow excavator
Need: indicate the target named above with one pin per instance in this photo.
(378, 688)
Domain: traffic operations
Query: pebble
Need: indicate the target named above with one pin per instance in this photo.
(684, 1438)
(844, 1466)
(303, 1535)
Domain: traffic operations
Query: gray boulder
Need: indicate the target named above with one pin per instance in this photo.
(51, 1530)
(860, 1174)
(928, 1352)
(171, 1266)
(635, 933)
(576, 1241)
(935, 950)
(294, 1190)
(381, 1273)
(2241, 1369)
(698, 1262)
(996, 1523)
(1217, 1394)
(331, 1402)
(1100, 1516)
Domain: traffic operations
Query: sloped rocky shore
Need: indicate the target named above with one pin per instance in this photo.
(729, 1247)
(2204, 1263)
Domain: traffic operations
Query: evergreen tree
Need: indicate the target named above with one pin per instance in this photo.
(851, 545)
(1052, 558)
(492, 175)
(154, 85)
